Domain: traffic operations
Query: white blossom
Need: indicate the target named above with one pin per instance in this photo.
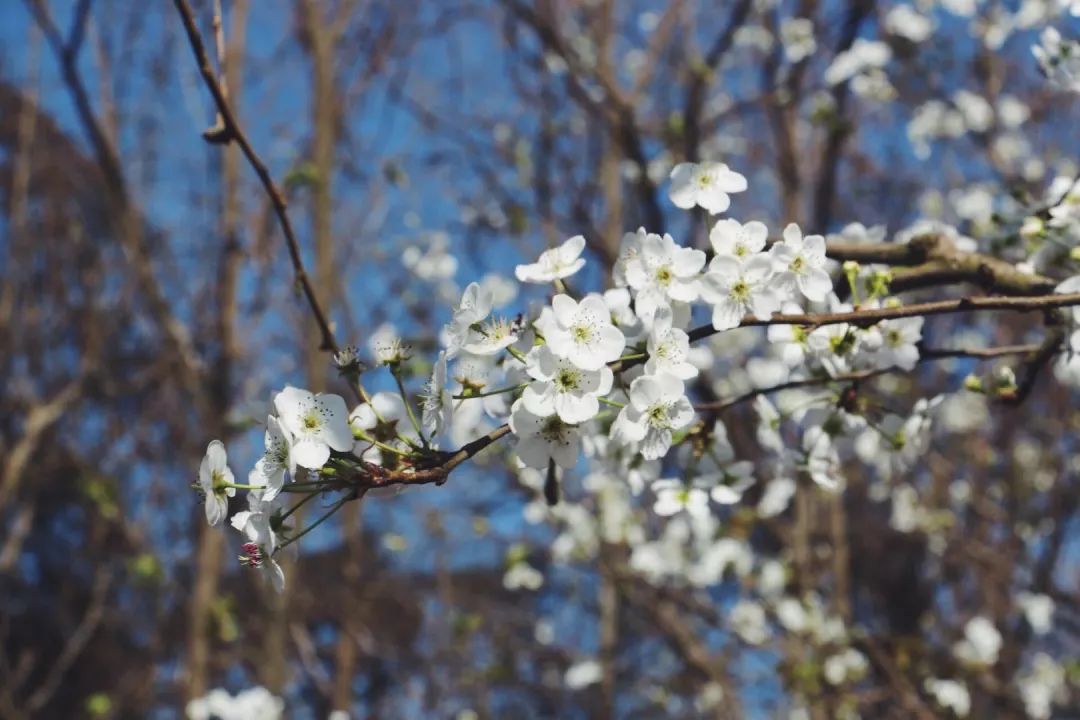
(863, 55)
(730, 237)
(950, 694)
(668, 348)
(1038, 611)
(277, 460)
(437, 401)
(214, 480)
(736, 289)
(582, 332)
(542, 439)
(661, 273)
(706, 184)
(801, 264)
(554, 264)
(797, 35)
(747, 619)
(898, 343)
(256, 524)
(674, 496)
(562, 388)
(981, 643)
(658, 407)
(476, 304)
(318, 423)
(1042, 686)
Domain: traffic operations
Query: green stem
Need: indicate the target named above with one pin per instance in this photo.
(408, 406)
(500, 391)
(612, 403)
(516, 353)
(635, 356)
(333, 509)
(285, 515)
(360, 435)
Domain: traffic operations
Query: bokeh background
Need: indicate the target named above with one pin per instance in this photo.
(147, 305)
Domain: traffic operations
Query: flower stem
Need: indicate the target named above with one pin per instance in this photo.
(285, 515)
(360, 435)
(323, 518)
(613, 403)
(467, 396)
(408, 406)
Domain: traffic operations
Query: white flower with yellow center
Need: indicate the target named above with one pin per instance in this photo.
(277, 460)
(438, 402)
(582, 332)
(705, 184)
(730, 237)
(658, 407)
(476, 304)
(674, 496)
(669, 349)
(661, 273)
(215, 479)
(801, 264)
(736, 289)
(541, 439)
(318, 423)
(562, 388)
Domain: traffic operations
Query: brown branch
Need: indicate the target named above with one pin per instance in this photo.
(935, 260)
(874, 315)
(232, 132)
(925, 355)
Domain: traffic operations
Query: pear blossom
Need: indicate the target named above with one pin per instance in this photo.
(950, 694)
(792, 341)
(543, 439)
(800, 263)
(1038, 611)
(706, 184)
(318, 423)
(582, 332)
(256, 702)
(256, 524)
(629, 249)
(747, 619)
(674, 496)
(437, 401)
(663, 272)
(797, 35)
(582, 674)
(277, 460)
(981, 643)
(736, 289)
(1058, 59)
(554, 264)
(668, 348)
(1042, 686)
(862, 56)
(475, 306)
(730, 237)
(214, 480)
(562, 388)
(493, 336)
(658, 407)
(899, 340)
